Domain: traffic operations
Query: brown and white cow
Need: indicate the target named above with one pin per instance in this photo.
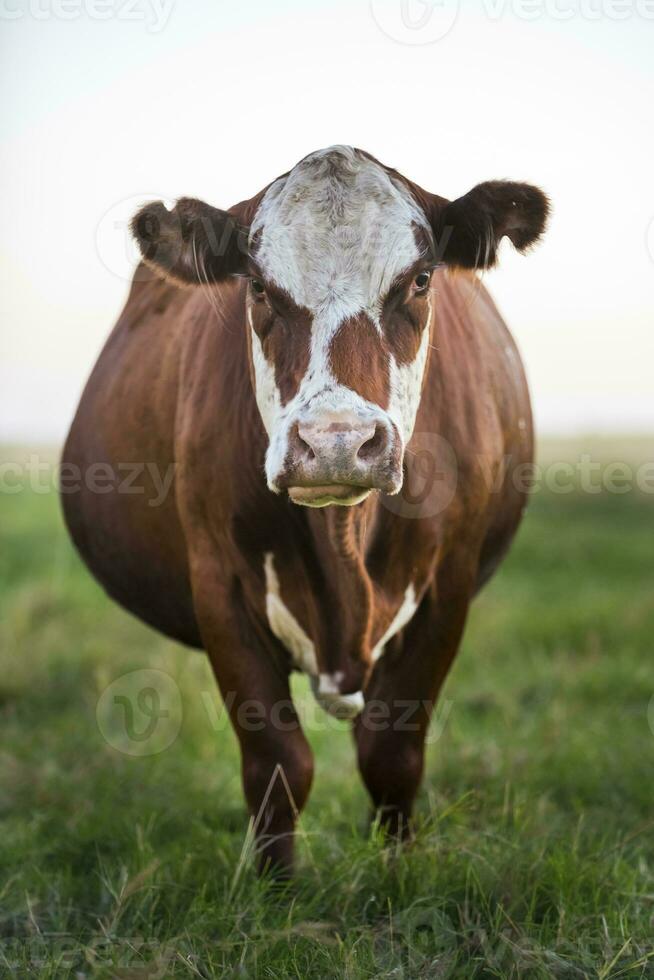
(332, 341)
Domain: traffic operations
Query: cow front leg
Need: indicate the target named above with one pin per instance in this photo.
(391, 765)
(277, 770)
(391, 730)
(277, 763)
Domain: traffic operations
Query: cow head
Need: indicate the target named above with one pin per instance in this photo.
(339, 255)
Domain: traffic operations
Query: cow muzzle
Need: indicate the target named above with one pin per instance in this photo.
(340, 458)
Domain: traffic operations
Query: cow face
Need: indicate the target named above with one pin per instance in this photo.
(338, 256)
(338, 310)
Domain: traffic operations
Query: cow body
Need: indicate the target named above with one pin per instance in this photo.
(368, 599)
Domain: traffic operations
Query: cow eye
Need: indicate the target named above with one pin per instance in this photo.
(421, 281)
(257, 287)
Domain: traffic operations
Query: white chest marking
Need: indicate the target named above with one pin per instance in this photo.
(284, 624)
(328, 696)
(399, 621)
(303, 652)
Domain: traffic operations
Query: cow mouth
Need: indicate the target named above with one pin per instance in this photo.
(324, 495)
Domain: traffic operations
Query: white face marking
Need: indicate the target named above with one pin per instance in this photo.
(335, 234)
(266, 390)
(319, 389)
(399, 621)
(406, 386)
(302, 650)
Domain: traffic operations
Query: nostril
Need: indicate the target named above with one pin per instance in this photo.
(373, 446)
(301, 445)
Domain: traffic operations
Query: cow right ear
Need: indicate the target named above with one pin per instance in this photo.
(468, 231)
(192, 244)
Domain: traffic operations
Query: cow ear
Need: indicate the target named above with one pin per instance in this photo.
(468, 230)
(194, 243)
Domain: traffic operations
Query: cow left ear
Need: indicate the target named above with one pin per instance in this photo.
(468, 231)
(193, 243)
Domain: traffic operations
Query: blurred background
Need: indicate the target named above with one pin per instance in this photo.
(112, 101)
(534, 850)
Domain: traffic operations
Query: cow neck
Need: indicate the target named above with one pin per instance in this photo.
(339, 537)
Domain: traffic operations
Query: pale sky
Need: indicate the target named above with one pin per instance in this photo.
(214, 99)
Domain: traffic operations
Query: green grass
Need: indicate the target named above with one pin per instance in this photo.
(534, 853)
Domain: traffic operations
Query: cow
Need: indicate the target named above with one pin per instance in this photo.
(343, 412)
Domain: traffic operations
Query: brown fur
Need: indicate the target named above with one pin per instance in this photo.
(172, 387)
(358, 359)
(284, 329)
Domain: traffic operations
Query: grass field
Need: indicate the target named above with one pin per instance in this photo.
(534, 853)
